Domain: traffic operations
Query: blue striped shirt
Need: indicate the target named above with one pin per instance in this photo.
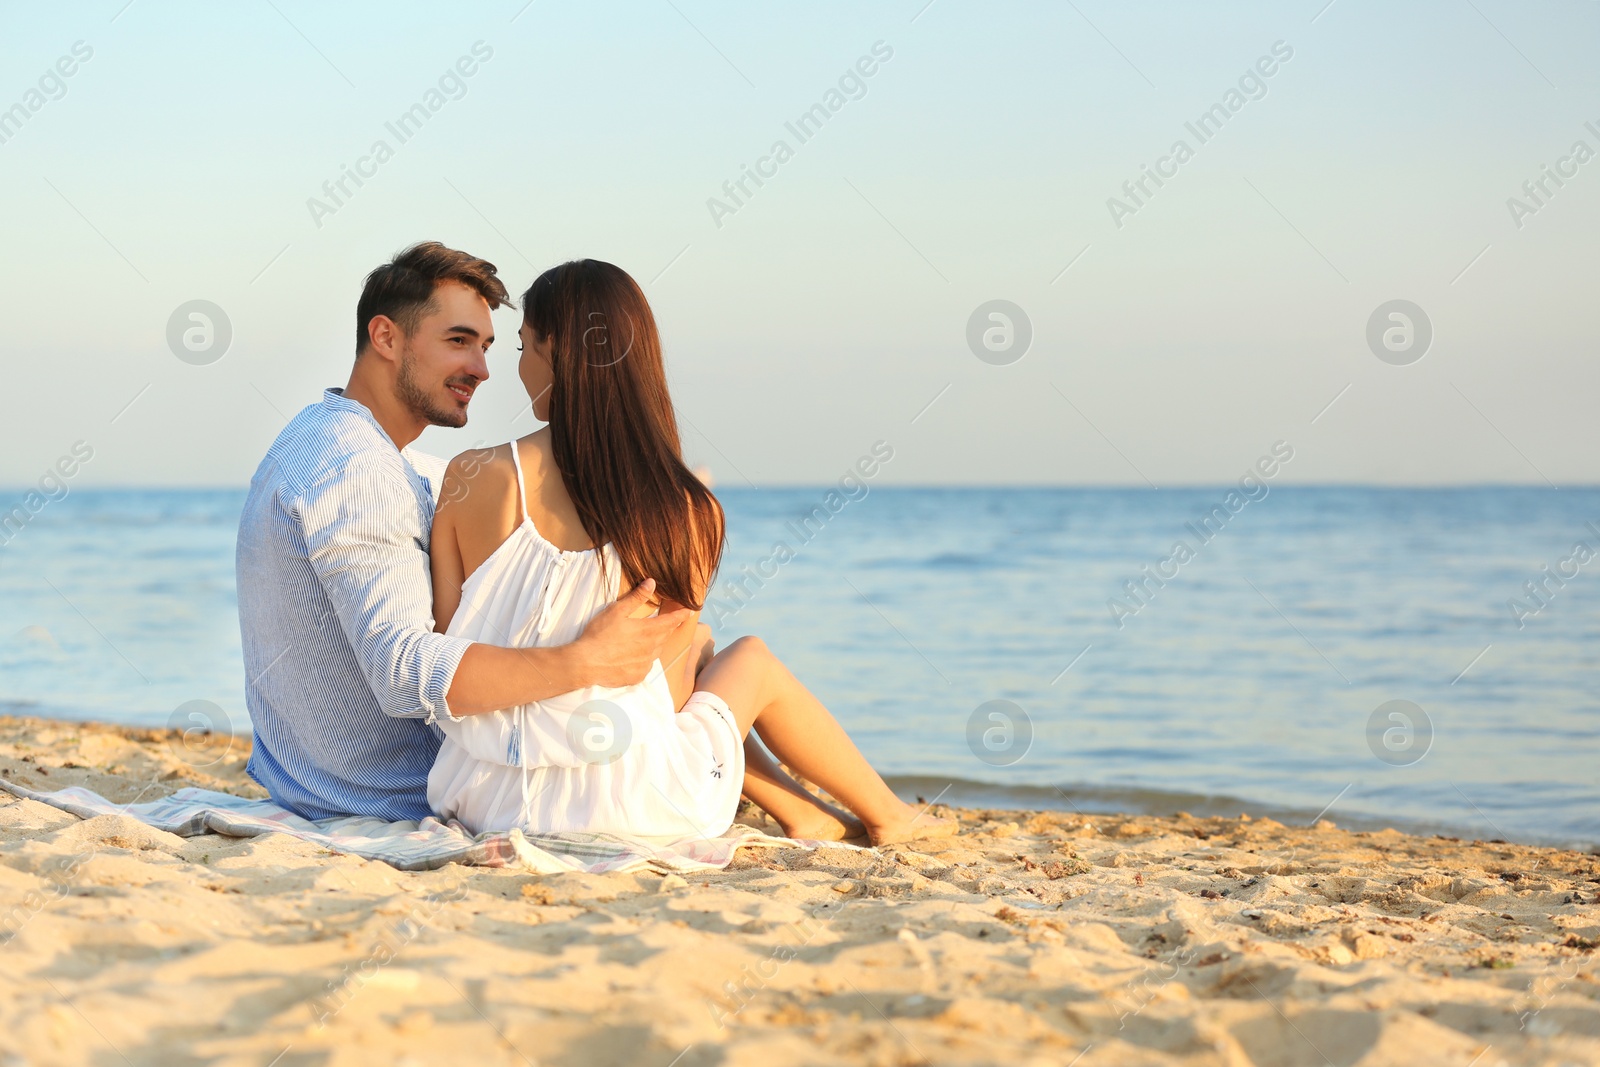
(344, 674)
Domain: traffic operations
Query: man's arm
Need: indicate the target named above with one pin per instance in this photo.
(362, 540)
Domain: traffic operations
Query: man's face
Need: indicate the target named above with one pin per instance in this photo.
(442, 361)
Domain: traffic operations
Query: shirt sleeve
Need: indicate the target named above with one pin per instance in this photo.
(366, 535)
(431, 468)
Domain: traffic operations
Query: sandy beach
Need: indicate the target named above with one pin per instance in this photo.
(1032, 938)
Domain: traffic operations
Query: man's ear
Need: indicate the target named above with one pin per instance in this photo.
(383, 337)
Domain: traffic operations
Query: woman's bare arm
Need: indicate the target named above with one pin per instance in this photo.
(477, 511)
(448, 572)
(683, 674)
(691, 649)
(680, 656)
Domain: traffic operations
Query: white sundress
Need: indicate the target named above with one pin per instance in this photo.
(595, 759)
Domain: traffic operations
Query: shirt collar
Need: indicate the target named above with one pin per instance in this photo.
(333, 399)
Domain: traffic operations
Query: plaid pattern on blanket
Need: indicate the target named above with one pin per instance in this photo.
(412, 846)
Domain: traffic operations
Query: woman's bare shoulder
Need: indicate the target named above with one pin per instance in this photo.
(538, 451)
(540, 473)
(478, 480)
(478, 503)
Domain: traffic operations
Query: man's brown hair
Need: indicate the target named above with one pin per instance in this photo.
(402, 289)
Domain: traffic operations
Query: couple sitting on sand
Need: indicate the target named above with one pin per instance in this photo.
(477, 658)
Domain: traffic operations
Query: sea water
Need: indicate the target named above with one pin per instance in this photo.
(1260, 670)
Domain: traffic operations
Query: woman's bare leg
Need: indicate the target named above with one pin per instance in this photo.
(802, 733)
(801, 814)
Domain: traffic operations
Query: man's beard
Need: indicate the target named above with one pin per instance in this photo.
(420, 403)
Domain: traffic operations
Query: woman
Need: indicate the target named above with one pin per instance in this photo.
(535, 537)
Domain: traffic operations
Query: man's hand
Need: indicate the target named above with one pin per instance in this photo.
(617, 649)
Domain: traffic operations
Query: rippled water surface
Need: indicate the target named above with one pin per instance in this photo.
(1245, 682)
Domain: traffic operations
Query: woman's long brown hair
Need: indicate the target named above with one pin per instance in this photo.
(614, 433)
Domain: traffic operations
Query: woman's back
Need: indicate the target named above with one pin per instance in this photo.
(592, 759)
(505, 485)
(521, 589)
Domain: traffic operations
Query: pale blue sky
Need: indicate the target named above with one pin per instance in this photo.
(832, 307)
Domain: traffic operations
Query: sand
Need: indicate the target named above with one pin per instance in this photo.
(1033, 938)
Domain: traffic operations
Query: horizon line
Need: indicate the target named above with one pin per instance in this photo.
(23, 489)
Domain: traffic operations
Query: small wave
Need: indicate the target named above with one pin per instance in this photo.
(1138, 800)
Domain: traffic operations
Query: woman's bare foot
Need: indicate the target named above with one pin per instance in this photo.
(912, 824)
(823, 822)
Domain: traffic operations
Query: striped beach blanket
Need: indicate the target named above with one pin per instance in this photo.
(412, 846)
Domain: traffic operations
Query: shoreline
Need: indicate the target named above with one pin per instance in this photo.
(1030, 938)
(1093, 799)
(1083, 798)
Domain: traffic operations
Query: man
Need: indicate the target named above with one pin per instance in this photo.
(345, 677)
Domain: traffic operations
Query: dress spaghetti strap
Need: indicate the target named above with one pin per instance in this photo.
(522, 500)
